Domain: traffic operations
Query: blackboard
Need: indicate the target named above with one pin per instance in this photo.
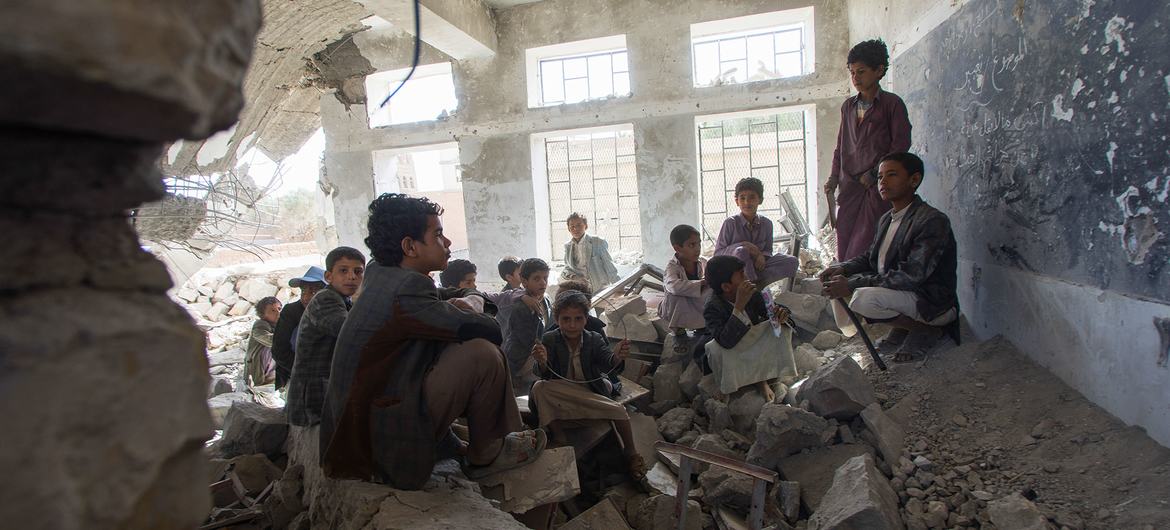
(1044, 127)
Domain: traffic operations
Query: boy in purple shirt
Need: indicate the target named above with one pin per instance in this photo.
(748, 236)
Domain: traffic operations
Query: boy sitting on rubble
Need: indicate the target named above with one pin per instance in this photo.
(523, 324)
(408, 363)
(744, 348)
(748, 236)
(682, 306)
(573, 364)
(592, 323)
(258, 361)
(317, 333)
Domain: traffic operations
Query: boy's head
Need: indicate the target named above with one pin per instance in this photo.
(685, 240)
(574, 285)
(268, 309)
(406, 232)
(534, 276)
(459, 273)
(749, 193)
(899, 175)
(344, 267)
(310, 282)
(724, 274)
(867, 64)
(571, 312)
(578, 224)
(509, 269)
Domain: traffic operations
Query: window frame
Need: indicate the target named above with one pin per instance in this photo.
(536, 57)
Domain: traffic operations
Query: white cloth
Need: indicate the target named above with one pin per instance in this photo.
(895, 222)
(759, 356)
(883, 303)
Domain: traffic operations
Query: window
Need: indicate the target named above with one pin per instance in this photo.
(430, 171)
(427, 96)
(578, 71)
(776, 146)
(753, 48)
(592, 172)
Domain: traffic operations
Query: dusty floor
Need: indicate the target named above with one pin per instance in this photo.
(983, 406)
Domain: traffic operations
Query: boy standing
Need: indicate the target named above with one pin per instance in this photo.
(283, 347)
(587, 257)
(322, 321)
(682, 307)
(258, 361)
(748, 236)
(408, 363)
(524, 324)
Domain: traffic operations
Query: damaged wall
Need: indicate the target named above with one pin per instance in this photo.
(1043, 131)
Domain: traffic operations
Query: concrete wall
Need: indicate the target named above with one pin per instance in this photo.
(493, 122)
(1055, 277)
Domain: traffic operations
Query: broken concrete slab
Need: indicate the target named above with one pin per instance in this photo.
(782, 430)
(666, 382)
(860, 497)
(827, 340)
(807, 358)
(602, 516)
(814, 470)
(675, 423)
(645, 434)
(718, 417)
(617, 307)
(632, 327)
(727, 488)
(221, 404)
(809, 309)
(250, 428)
(837, 390)
(662, 480)
(888, 436)
(657, 512)
(744, 407)
(1014, 512)
(232, 356)
(689, 380)
(254, 289)
(551, 478)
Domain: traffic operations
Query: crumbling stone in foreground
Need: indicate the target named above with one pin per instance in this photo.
(602, 515)
(814, 470)
(886, 434)
(782, 430)
(666, 382)
(657, 512)
(827, 340)
(838, 390)
(551, 478)
(675, 423)
(221, 404)
(860, 497)
(724, 487)
(1014, 512)
(745, 406)
(252, 428)
(718, 417)
(689, 380)
(807, 358)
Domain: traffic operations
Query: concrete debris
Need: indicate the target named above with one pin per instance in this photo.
(860, 497)
(838, 390)
(888, 436)
(782, 430)
(689, 380)
(602, 516)
(675, 349)
(220, 385)
(632, 327)
(666, 382)
(827, 340)
(253, 289)
(1014, 512)
(807, 358)
(675, 423)
(662, 480)
(814, 470)
(657, 512)
(812, 310)
(1044, 429)
(551, 478)
(617, 307)
(744, 406)
(250, 428)
(709, 387)
(221, 404)
(234, 356)
(786, 496)
(726, 488)
(712, 443)
(659, 408)
(718, 417)
(253, 473)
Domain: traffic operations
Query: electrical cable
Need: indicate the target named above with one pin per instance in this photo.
(602, 376)
(414, 62)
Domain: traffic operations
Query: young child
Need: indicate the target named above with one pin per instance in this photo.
(748, 236)
(587, 257)
(258, 362)
(509, 269)
(459, 274)
(284, 334)
(573, 364)
(744, 350)
(523, 324)
(682, 307)
(592, 323)
(317, 333)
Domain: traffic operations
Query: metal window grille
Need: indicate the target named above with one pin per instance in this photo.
(577, 78)
(753, 57)
(770, 148)
(594, 175)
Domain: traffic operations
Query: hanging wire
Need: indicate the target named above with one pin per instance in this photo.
(414, 62)
(605, 375)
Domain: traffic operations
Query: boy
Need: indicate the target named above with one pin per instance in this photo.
(459, 274)
(587, 257)
(748, 236)
(682, 307)
(509, 269)
(592, 323)
(408, 363)
(909, 276)
(317, 332)
(523, 325)
(283, 346)
(258, 361)
(743, 349)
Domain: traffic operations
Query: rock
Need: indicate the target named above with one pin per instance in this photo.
(199, 308)
(675, 423)
(551, 478)
(709, 387)
(712, 443)
(745, 406)
(960, 420)
(806, 357)
(254, 472)
(615, 308)
(936, 514)
(889, 437)
(809, 309)
(241, 308)
(723, 487)
(782, 430)
(602, 515)
(814, 470)
(659, 408)
(736, 441)
(251, 428)
(662, 480)
(675, 349)
(187, 294)
(810, 286)
(827, 340)
(205, 291)
(220, 385)
(1044, 428)
(718, 417)
(786, 496)
(1014, 512)
(221, 404)
(632, 327)
(231, 300)
(923, 463)
(689, 381)
(666, 382)
(233, 356)
(217, 311)
(253, 289)
(688, 437)
(658, 512)
(838, 390)
(224, 290)
(860, 497)
(285, 295)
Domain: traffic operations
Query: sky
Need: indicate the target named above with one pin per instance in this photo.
(298, 172)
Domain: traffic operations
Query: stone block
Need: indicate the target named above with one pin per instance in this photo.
(220, 384)
(1014, 512)
(810, 309)
(726, 488)
(253, 472)
(827, 340)
(814, 470)
(745, 406)
(666, 382)
(837, 390)
(860, 497)
(689, 380)
(617, 307)
(782, 430)
(224, 290)
(250, 428)
(551, 478)
(602, 515)
(240, 308)
(206, 291)
(232, 356)
(253, 289)
(889, 438)
(712, 443)
(662, 480)
(718, 417)
(634, 327)
(187, 294)
(807, 358)
(675, 423)
(657, 512)
(199, 308)
(217, 311)
(221, 404)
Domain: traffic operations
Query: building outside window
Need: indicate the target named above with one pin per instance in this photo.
(578, 71)
(753, 48)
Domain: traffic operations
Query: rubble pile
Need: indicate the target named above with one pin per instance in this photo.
(213, 296)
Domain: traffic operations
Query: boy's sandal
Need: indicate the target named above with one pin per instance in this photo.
(916, 345)
(519, 449)
(637, 466)
(895, 338)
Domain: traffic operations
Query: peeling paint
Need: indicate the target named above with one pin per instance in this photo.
(1058, 112)
(1086, 8)
(1110, 154)
(1076, 89)
(1113, 34)
(173, 152)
